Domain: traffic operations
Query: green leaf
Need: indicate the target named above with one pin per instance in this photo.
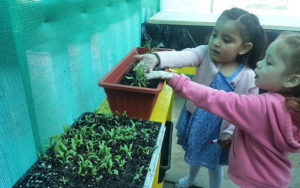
(81, 157)
(63, 146)
(129, 77)
(110, 164)
(117, 157)
(99, 178)
(116, 172)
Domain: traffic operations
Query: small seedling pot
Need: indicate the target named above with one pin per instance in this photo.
(137, 102)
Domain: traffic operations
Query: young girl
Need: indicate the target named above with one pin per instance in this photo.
(267, 125)
(236, 43)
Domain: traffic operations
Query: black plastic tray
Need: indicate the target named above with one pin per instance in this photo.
(166, 150)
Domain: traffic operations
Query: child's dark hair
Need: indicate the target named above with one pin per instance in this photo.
(251, 31)
(292, 41)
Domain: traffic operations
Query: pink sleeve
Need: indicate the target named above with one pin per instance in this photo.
(226, 127)
(244, 111)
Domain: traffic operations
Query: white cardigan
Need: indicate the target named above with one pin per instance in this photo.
(206, 71)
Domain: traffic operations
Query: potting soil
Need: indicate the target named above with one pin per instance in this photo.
(89, 154)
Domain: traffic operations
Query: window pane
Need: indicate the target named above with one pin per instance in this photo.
(201, 6)
(259, 7)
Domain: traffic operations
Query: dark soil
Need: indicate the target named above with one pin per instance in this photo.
(95, 161)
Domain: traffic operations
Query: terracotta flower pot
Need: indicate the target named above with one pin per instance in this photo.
(138, 102)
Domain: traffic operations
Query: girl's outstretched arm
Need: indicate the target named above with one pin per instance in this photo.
(244, 111)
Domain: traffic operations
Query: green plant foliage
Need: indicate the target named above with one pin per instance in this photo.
(150, 48)
(88, 149)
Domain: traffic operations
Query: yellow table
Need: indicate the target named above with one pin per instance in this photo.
(162, 112)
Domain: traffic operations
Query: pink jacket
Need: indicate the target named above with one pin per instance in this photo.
(206, 71)
(265, 133)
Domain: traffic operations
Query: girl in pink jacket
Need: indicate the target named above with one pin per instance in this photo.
(267, 125)
(235, 45)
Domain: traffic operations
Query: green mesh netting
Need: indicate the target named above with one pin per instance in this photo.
(53, 53)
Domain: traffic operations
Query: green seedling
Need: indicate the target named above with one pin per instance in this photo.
(90, 146)
(111, 133)
(103, 130)
(141, 79)
(63, 180)
(107, 163)
(93, 132)
(80, 140)
(139, 174)
(147, 150)
(120, 161)
(84, 164)
(66, 127)
(84, 131)
(60, 149)
(103, 148)
(110, 169)
(46, 157)
(132, 125)
(74, 142)
(149, 47)
(127, 150)
(99, 178)
(39, 155)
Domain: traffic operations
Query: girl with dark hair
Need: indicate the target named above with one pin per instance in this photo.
(267, 125)
(235, 45)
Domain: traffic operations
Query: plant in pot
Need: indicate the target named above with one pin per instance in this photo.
(137, 98)
(137, 77)
(99, 150)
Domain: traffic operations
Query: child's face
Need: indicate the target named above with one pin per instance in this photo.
(225, 42)
(271, 72)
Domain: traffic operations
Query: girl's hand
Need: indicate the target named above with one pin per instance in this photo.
(225, 140)
(159, 75)
(147, 61)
